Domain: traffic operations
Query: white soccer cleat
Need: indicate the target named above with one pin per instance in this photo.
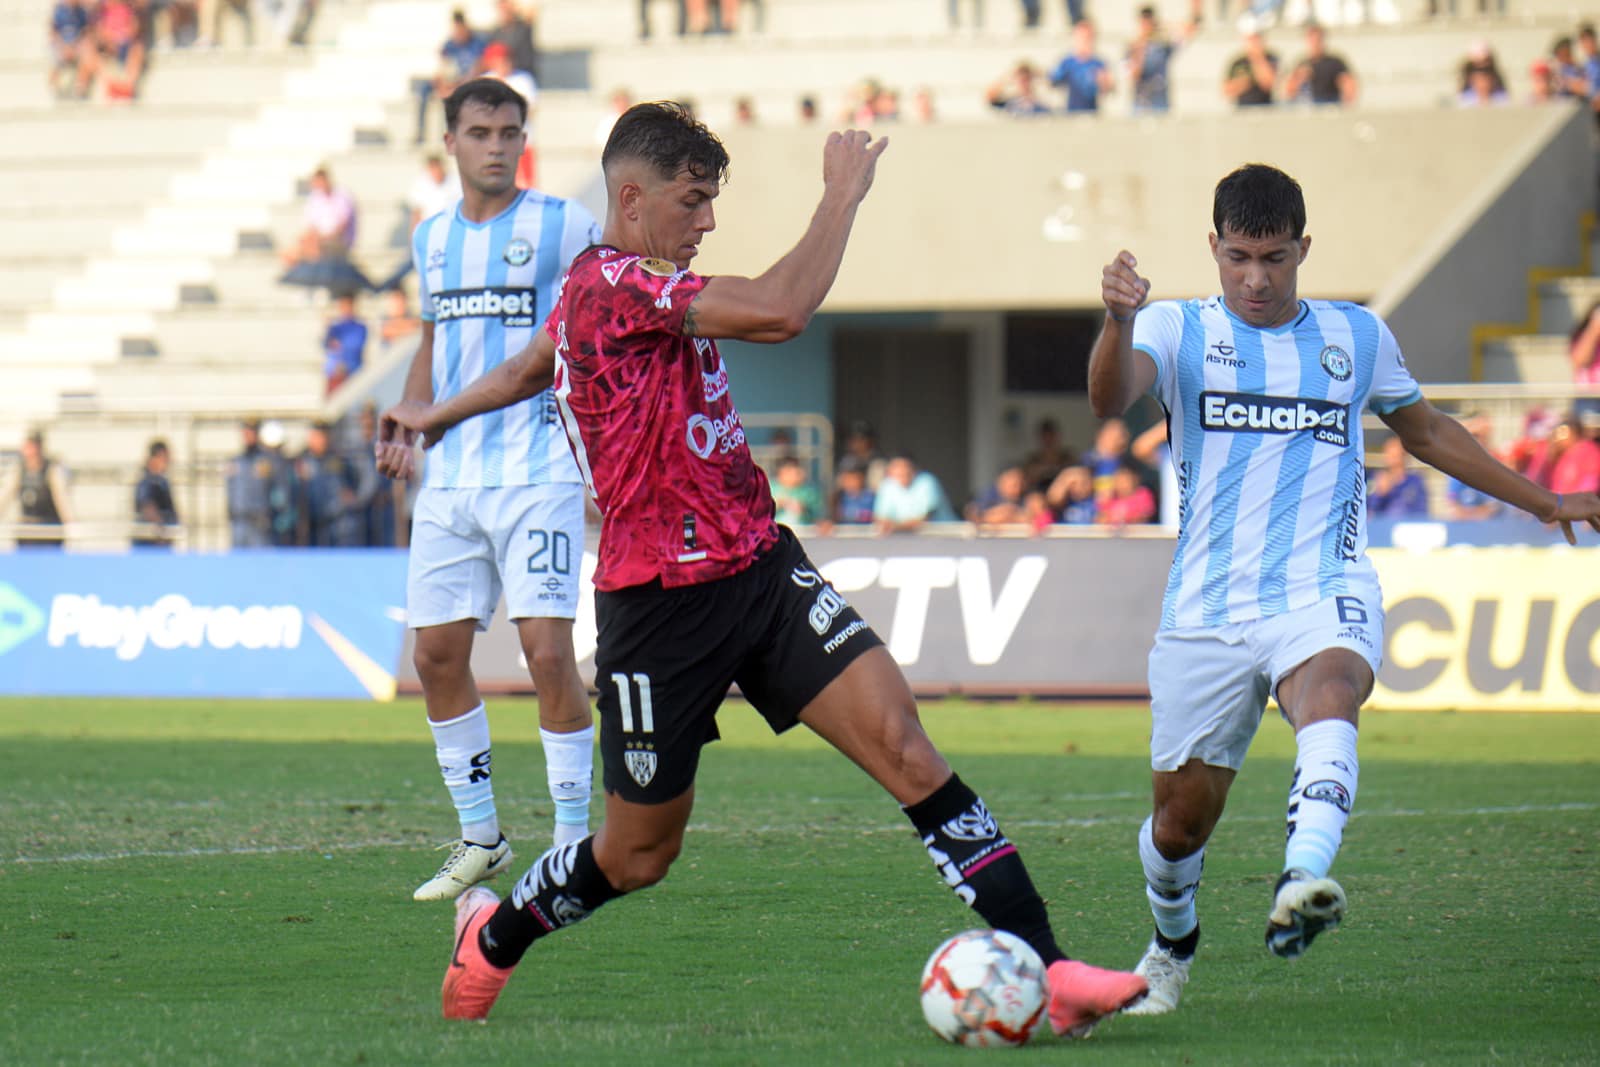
(1302, 908)
(469, 863)
(1165, 974)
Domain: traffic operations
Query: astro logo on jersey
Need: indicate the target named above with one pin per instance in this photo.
(1327, 420)
(513, 307)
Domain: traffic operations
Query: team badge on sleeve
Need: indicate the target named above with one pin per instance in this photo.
(659, 267)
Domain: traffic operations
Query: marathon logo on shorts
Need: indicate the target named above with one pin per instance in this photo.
(1327, 420)
(513, 307)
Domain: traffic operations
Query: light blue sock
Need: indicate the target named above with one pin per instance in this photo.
(1170, 886)
(1321, 795)
(569, 769)
(462, 746)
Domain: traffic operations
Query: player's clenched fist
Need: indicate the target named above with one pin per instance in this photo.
(849, 161)
(1121, 287)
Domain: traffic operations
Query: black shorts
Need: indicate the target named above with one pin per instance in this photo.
(666, 657)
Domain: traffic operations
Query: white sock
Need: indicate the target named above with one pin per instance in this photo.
(462, 745)
(1321, 795)
(569, 768)
(1170, 886)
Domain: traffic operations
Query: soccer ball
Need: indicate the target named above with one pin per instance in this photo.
(984, 989)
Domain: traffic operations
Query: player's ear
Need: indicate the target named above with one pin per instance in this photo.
(1305, 247)
(628, 200)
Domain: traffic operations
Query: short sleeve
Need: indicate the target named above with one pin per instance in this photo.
(1157, 332)
(419, 257)
(1392, 385)
(640, 295)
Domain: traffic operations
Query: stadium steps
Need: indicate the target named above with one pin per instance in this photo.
(1527, 358)
(1563, 302)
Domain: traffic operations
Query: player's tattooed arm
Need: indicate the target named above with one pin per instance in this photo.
(690, 327)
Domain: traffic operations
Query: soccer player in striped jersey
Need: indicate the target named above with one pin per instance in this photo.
(698, 586)
(1271, 592)
(501, 506)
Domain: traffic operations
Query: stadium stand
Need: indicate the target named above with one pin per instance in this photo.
(138, 294)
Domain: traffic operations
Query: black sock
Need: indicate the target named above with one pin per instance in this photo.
(1184, 947)
(982, 867)
(562, 887)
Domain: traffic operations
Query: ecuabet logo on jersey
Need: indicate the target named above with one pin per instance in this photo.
(1336, 361)
(518, 252)
(1327, 420)
(513, 307)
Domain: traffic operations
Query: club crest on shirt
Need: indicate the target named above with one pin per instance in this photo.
(659, 267)
(436, 259)
(518, 252)
(1336, 361)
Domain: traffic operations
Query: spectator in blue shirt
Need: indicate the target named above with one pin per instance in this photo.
(345, 342)
(1394, 492)
(908, 498)
(69, 37)
(460, 58)
(1083, 74)
(1590, 62)
(1149, 55)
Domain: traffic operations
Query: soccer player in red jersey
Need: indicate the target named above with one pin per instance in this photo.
(697, 585)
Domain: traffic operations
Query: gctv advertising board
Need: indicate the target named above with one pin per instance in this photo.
(289, 623)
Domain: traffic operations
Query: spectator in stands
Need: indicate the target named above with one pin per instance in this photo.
(497, 64)
(796, 499)
(852, 500)
(1463, 503)
(1253, 73)
(331, 513)
(1071, 497)
(1571, 463)
(71, 37)
(460, 58)
(1082, 73)
(376, 497)
(1126, 500)
(328, 229)
(1110, 448)
(1543, 82)
(344, 343)
(1032, 12)
(1590, 62)
(744, 112)
(1484, 89)
(397, 325)
(977, 14)
(708, 17)
(39, 489)
(1480, 60)
(908, 498)
(182, 19)
(922, 107)
(516, 32)
(433, 190)
(1154, 451)
(1525, 454)
(806, 110)
(1149, 55)
(284, 489)
(1048, 458)
(118, 51)
(153, 509)
(621, 100)
(249, 485)
(1394, 492)
(861, 444)
(1583, 346)
(1018, 94)
(1320, 77)
(1003, 503)
(1569, 77)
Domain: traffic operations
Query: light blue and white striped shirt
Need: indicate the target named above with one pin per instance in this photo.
(487, 287)
(1266, 435)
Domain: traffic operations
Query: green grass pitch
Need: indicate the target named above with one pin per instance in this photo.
(187, 883)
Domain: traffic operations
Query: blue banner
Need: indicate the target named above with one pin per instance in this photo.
(269, 623)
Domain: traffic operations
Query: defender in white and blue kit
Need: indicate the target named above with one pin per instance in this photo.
(501, 508)
(1271, 592)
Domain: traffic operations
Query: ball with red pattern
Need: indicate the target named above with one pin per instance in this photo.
(984, 989)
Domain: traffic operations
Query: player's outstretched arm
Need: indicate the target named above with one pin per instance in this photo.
(778, 304)
(526, 374)
(1116, 376)
(394, 443)
(1443, 443)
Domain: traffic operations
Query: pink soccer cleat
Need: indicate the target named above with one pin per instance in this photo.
(471, 982)
(1081, 995)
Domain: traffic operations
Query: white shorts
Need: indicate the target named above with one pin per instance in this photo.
(1209, 686)
(466, 544)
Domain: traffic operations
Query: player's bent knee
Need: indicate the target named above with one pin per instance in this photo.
(551, 661)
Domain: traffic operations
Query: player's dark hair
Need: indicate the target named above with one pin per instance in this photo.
(1259, 201)
(666, 135)
(490, 92)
